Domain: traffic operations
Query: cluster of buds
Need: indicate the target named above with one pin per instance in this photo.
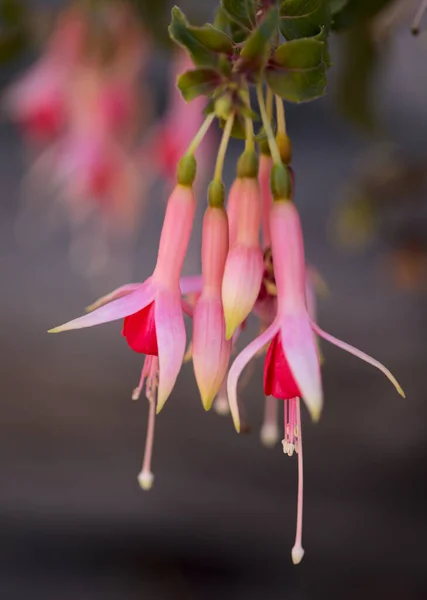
(241, 275)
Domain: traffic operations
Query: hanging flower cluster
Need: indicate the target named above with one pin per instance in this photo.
(283, 54)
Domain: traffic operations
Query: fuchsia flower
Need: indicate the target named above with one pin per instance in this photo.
(153, 310)
(244, 266)
(211, 351)
(292, 368)
(38, 100)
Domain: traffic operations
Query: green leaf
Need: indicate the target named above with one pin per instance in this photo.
(198, 82)
(212, 38)
(297, 71)
(238, 130)
(303, 18)
(242, 12)
(337, 5)
(255, 52)
(221, 20)
(180, 31)
(238, 33)
(322, 36)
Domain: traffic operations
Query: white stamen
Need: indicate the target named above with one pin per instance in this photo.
(220, 405)
(146, 477)
(270, 430)
(297, 554)
(136, 393)
(145, 480)
(288, 448)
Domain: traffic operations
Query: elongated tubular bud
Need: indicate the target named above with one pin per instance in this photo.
(211, 351)
(175, 234)
(244, 266)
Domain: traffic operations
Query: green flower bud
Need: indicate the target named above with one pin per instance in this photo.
(186, 170)
(285, 147)
(247, 165)
(216, 193)
(280, 182)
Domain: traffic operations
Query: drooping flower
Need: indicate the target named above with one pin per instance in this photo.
(153, 310)
(244, 266)
(292, 367)
(211, 351)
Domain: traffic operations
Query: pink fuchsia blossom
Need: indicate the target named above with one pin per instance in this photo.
(244, 266)
(292, 365)
(211, 351)
(292, 324)
(38, 100)
(154, 310)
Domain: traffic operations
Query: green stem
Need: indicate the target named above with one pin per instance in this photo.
(249, 127)
(269, 103)
(274, 150)
(280, 112)
(223, 148)
(200, 134)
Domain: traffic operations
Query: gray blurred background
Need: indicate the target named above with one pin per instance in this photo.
(220, 519)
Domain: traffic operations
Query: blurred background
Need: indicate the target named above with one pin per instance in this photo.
(220, 519)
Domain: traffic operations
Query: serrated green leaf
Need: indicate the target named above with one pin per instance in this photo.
(242, 12)
(322, 36)
(180, 32)
(255, 52)
(212, 38)
(297, 71)
(303, 18)
(198, 82)
(256, 49)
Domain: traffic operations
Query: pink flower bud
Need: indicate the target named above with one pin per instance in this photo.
(211, 351)
(244, 266)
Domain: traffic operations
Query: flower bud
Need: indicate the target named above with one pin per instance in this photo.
(211, 351)
(244, 266)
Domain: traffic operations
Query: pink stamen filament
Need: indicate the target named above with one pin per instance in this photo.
(146, 477)
(298, 550)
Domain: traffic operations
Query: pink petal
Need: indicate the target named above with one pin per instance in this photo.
(191, 285)
(122, 307)
(359, 354)
(299, 347)
(171, 341)
(211, 351)
(240, 363)
(121, 291)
